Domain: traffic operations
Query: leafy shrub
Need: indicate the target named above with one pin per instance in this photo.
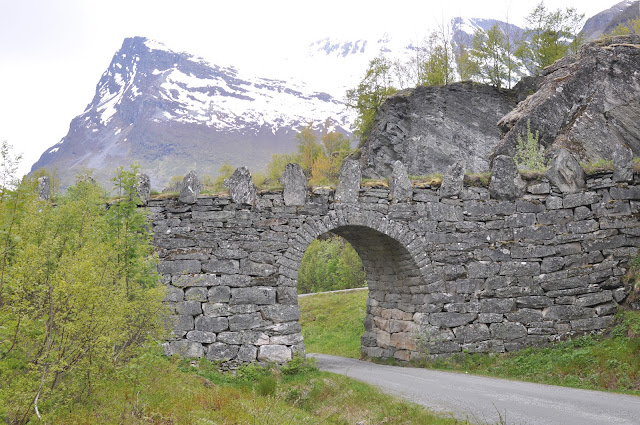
(329, 265)
(529, 154)
(79, 293)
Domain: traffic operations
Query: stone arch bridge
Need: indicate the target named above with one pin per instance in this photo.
(450, 268)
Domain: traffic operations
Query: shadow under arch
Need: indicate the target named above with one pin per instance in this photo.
(392, 256)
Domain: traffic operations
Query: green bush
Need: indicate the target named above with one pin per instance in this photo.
(329, 265)
(79, 293)
(529, 154)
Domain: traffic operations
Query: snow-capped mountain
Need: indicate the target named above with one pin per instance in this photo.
(173, 112)
(607, 20)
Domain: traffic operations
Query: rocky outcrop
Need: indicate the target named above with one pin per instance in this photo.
(587, 103)
(430, 128)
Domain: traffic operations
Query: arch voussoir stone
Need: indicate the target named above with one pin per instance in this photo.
(444, 275)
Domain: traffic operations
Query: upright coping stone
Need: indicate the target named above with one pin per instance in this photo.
(190, 188)
(453, 180)
(295, 185)
(241, 187)
(566, 173)
(143, 187)
(506, 183)
(399, 183)
(349, 182)
(622, 163)
(44, 188)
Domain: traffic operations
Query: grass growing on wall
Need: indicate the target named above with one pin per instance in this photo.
(334, 323)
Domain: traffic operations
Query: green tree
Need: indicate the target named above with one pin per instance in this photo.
(369, 95)
(438, 67)
(308, 147)
(78, 293)
(620, 29)
(330, 264)
(551, 35)
(224, 172)
(490, 54)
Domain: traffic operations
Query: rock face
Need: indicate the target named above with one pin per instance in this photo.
(607, 20)
(506, 183)
(430, 128)
(241, 187)
(295, 185)
(349, 182)
(565, 173)
(587, 103)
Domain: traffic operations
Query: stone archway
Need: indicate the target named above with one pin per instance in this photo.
(393, 276)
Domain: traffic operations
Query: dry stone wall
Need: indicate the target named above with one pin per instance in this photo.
(445, 274)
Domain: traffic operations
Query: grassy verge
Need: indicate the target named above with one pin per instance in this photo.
(159, 390)
(332, 324)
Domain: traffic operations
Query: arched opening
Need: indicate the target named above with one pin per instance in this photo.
(391, 273)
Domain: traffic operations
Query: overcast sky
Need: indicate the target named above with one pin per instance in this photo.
(53, 52)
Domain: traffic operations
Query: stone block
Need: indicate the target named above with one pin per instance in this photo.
(525, 316)
(189, 308)
(532, 251)
(295, 185)
(274, 353)
(489, 346)
(191, 188)
(211, 324)
(497, 305)
(534, 301)
(520, 268)
(179, 267)
(219, 351)
(281, 313)
(196, 294)
(505, 182)
(185, 348)
(472, 333)
(622, 163)
(539, 188)
(573, 200)
(591, 324)
(201, 336)
(291, 339)
(181, 323)
(241, 187)
(507, 331)
(247, 353)
(566, 173)
(551, 264)
(399, 183)
(173, 294)
(451, 320)
(490, 317)
(567, 312)
(348, 187)
(245, 321)
(452, 180)
(589, 300)
(215, 309)
(482, 269)
(221, 266)
(219, 294)
(253, 295)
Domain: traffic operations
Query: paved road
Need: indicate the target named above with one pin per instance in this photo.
(486, 400)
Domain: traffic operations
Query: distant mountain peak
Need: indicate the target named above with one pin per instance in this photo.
(173, 112)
